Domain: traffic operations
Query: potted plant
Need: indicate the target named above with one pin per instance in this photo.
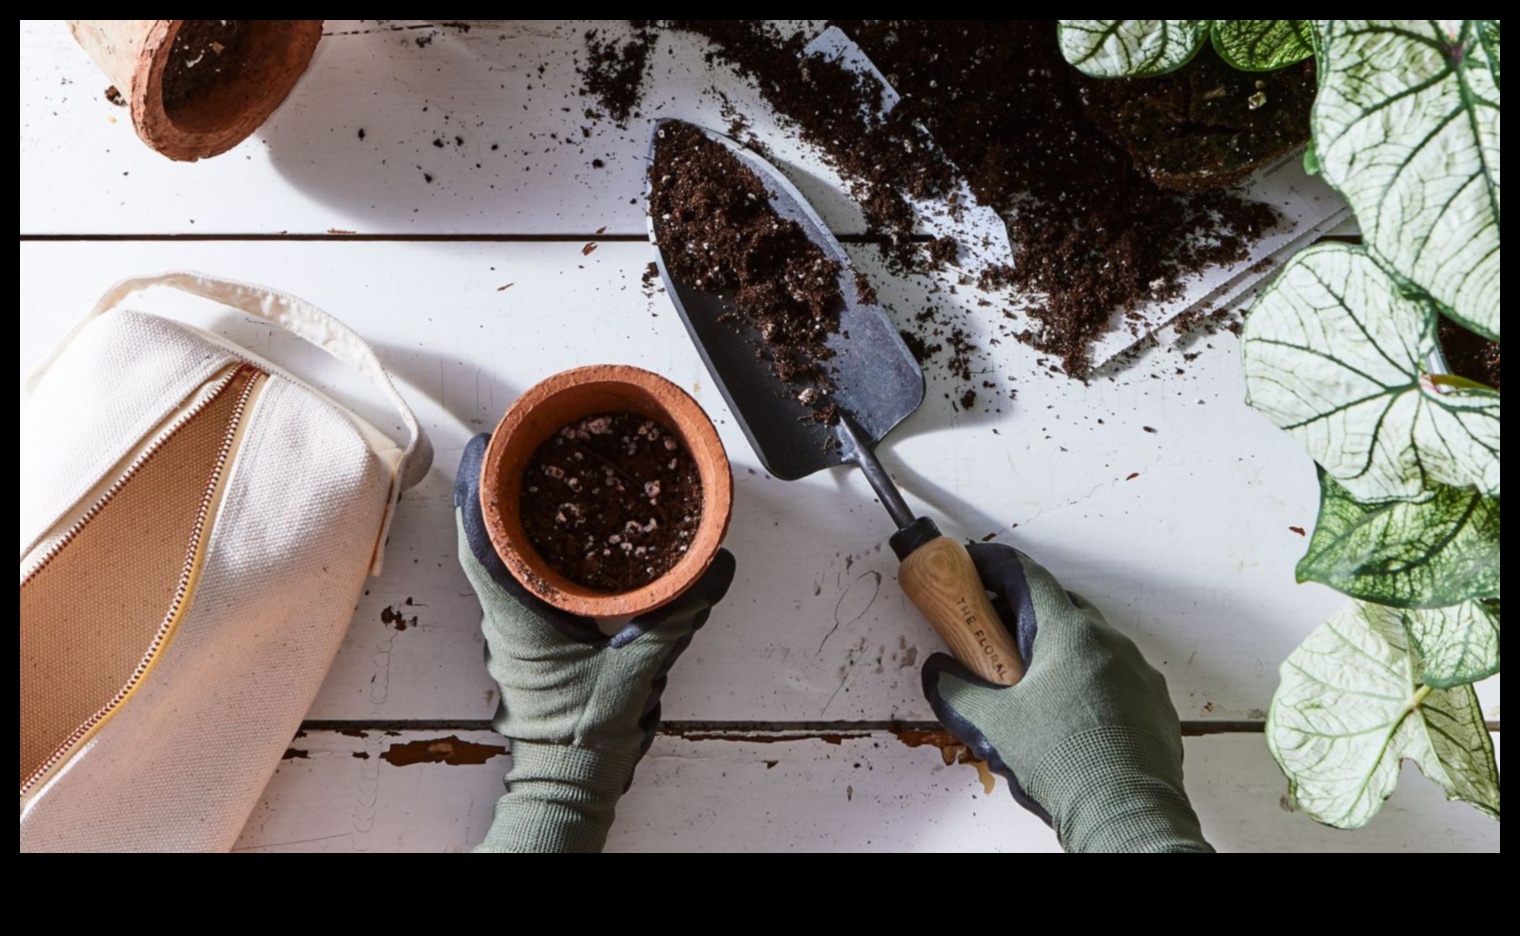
(607, 491)
(1345, 352)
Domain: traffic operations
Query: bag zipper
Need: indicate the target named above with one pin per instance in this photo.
(193, 553)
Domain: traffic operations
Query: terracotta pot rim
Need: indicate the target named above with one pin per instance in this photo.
(284, 52)
(531, 420)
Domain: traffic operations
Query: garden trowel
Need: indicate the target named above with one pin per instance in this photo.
(877, 385)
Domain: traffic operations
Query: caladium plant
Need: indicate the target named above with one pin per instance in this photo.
(1146, 48)
(1342, 352)
(1354, 706)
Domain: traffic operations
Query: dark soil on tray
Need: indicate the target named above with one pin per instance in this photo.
(206, 55)
(1469, 355)
(1072, 163)
(717, 230)
(612, 502)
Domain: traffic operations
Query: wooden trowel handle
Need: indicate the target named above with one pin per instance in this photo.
(942, 583)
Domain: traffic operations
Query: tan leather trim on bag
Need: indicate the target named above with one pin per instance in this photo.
(103, 603)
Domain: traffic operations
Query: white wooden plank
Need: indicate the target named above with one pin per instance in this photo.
(507, 88)
(864, 794)
(1183, 535)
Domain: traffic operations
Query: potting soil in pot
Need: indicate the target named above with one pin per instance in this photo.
(1208, 126)
(612, 502)
(718, 231)
(1470, 356)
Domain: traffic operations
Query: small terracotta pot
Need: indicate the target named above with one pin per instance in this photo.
(561, 401)
(259, 72)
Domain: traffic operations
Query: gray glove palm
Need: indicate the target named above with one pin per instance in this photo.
(580, 708)
(1090, 741)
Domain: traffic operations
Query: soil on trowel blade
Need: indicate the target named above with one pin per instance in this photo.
(718, 232)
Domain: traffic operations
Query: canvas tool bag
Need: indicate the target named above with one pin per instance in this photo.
(197, 527)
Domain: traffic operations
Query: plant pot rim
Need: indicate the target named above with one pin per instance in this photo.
(136, 55)
(535, 417)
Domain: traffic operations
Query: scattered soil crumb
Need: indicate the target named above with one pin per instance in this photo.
(614, 74)
(865, 293)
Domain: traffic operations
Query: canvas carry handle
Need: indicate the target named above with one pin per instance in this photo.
(301, 319)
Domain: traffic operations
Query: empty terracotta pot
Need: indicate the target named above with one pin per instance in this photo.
(561, 401)
(197, 88)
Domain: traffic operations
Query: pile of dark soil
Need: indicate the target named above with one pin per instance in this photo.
(717, 230)
(1469, 355)
(612, 502)
(1092, 232)
(1049, 149)
(206, 55)
(885, 159)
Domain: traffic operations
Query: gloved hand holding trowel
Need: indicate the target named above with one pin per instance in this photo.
(1087, 737)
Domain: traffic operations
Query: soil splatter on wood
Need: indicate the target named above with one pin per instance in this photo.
(614, 73)
(1077, 167)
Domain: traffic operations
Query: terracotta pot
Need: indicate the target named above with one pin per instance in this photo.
(255, 74)
(561, 401)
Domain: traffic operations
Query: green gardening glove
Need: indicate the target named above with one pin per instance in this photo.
(581, 709)
(1090, 741)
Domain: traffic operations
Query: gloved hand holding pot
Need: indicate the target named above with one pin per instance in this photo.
(591, 527)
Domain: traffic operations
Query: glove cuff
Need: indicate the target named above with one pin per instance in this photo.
(1132, 810)
(560, 799)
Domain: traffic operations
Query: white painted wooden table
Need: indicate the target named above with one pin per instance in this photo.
(786, 718)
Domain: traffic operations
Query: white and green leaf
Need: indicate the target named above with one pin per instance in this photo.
(1263, 45)
(1435, 553)
(1335, 354)
(1488, 32)
(1406, 126)
(1131, 48)
(1351, 710)
(1456, 646)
